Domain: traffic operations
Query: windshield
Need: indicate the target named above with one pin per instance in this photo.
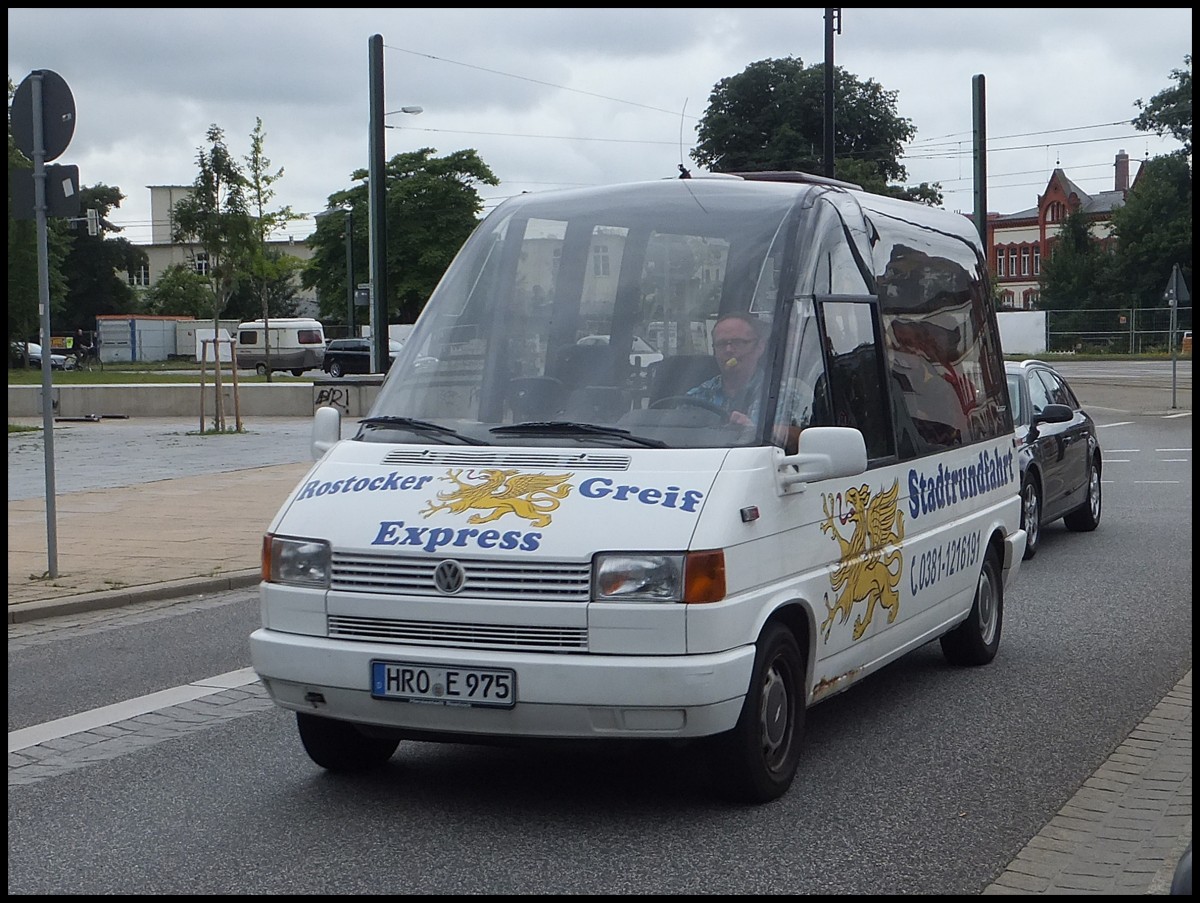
(596, 308)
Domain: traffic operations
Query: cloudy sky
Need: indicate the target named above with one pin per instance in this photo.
(554, 98)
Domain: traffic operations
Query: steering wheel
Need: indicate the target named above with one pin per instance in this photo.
(689, 401)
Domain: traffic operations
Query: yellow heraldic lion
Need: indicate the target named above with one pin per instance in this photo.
(529, 495)
(865, 570)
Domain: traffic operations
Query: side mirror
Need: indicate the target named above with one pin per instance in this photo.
(823, 453)
(327, 430)
(1052, 413)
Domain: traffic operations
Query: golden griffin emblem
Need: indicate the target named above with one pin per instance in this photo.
(865, 570)
(499, 492)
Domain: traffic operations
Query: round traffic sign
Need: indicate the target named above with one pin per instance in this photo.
(58, 114)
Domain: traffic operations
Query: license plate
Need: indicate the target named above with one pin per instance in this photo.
(495, 687)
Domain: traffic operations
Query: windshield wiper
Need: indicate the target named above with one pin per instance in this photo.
(419, 426)
(570, 428)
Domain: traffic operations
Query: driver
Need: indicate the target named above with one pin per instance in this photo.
(739, 340)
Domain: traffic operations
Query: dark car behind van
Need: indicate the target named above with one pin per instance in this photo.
(344, 356)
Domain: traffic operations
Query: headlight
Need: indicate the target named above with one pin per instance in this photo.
(692, 577)
(297, 562)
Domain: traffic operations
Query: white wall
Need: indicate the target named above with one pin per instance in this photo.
(1022, 331)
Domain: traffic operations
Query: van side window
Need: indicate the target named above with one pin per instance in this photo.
(248, 337)
(802, 400)
(309, 337)
(856, 392)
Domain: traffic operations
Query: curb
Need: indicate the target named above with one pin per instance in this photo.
(169, 589)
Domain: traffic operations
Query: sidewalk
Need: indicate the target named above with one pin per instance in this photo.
(121, 489)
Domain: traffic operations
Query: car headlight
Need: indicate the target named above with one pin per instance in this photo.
(295, 562)
(692, 577)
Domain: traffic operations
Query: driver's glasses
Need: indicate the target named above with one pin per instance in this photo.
(733, 344)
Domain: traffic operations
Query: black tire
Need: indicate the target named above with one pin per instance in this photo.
(756, 761)
(976, 640)
(341, 747)
(1031, 514)
(335, 370)
(260, 369)
(297, 372)
(1086, 517)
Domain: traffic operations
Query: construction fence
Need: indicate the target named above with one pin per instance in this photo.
(1121, 330)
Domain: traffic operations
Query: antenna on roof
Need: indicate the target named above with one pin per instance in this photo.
(683, 173)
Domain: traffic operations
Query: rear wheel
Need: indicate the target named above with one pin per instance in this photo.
(335, 370)
(1031, 514)
(340, 746)
(757, 760)
(297, 372)
(976, 640)
(1086, 517)
(260, 369)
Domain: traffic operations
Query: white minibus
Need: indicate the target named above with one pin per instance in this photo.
(531, 538)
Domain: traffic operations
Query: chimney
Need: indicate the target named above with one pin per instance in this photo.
(1122, 166)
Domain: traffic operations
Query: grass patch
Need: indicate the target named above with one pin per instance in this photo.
(113, 376)
(18, 428)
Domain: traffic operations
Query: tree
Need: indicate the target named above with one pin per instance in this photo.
(215, 216)
(1154, 232)
(270, 273)
(430, 208)
(179, 291)
(771, 117)
(98, 267)
(1076, 275)
(1170, 110)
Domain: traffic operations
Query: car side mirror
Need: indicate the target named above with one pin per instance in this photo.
(1052, 413)
(327, 430)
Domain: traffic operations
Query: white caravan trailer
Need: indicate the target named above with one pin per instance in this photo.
(296, 344)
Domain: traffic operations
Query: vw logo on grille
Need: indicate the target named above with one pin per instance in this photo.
(449, 577)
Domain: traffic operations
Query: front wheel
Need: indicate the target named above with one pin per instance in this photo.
(1031, 515)
(297, 372)
(1086, 517)
(757, 760)
(976, 640)
(340, 746)
(260, 369)
(335, 370)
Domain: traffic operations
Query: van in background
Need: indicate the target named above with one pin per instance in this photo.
(294, 344)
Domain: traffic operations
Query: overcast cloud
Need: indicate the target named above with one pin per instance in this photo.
(553, 98)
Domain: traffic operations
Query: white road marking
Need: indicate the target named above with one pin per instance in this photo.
(130, 708)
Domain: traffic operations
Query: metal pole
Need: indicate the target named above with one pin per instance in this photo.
(350, 273)
(377, 197)
(832, 15)
(43, 258)
(979, 103)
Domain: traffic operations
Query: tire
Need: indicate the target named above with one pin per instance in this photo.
(976, 640)
(335, 370)
(297, 372)
(1086, 517)
(756, 761)
(261, 369)
(340, 747)
(1031, 515)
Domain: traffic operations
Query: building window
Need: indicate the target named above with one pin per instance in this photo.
(140, 276)
(999, 262)
(1012, 261)
(1006, 299)
(1030, 300)
(200, 263)
(1037, 260)
(600, 260)
(1025, 261)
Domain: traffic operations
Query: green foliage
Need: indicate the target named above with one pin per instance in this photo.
(431, 206)
(179, 291)
(771, 117)
(1154, 232)
(1170, 110)
(216, 216)
(97, 267)
(1076, 275)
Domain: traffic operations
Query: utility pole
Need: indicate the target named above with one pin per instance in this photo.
(979, 108)
(350, 272)
(377, 197)
(833, 22)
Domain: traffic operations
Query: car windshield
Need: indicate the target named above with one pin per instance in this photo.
(595, 307)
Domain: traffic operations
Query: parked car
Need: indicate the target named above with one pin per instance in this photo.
(33, 352)
(1058, 450)
(344, 356)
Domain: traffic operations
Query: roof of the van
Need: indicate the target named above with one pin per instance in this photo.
(283, 321)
